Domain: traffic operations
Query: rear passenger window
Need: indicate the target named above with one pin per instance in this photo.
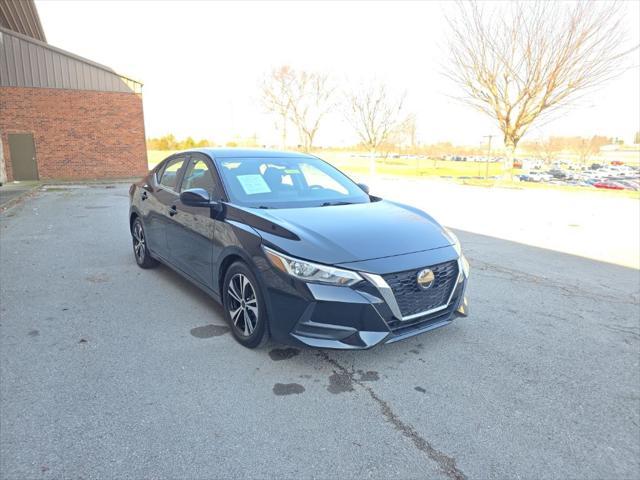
(170, 174)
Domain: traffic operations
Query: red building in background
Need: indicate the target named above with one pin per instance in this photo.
(63, 116)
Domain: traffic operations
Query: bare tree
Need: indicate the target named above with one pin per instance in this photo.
(404, 134)
(276, 97)
(585, 149)
(528, 60)
(304, 98)
(374, 114)
(546, 149)
(311, 99)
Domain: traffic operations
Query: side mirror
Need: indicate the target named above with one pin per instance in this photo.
(365, 188)
(196, 197)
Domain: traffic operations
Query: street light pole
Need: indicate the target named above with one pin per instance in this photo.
(486, 168)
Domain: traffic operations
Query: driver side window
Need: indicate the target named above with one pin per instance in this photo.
(198, 175)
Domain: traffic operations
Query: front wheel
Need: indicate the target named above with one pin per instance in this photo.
(244, 307)
(140, 248)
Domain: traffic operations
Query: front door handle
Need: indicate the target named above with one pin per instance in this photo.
(144, 196)
(172, 210)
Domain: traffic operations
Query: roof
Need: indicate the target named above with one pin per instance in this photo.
(22, 16)
(247, 153)
(28, 62)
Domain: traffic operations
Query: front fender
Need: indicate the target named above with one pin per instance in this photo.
(235, 240)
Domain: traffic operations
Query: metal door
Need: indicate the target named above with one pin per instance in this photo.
(22, 153)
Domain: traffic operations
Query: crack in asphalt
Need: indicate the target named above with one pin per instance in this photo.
(631, 331)
(446, 463)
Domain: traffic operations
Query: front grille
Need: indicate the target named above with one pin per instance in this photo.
(412, 299)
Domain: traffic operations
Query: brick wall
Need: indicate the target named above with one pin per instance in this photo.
(78, 134)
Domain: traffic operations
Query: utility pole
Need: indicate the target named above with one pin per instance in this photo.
(486, 168)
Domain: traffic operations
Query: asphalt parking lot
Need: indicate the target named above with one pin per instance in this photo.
(110, 371)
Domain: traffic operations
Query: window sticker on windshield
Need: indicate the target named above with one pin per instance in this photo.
(291, 170)
(252, 184)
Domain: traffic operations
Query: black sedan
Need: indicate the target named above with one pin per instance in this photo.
(295, 250)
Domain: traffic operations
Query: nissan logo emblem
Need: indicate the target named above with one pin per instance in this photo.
(425, 278)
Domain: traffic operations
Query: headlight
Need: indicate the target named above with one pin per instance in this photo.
(456, 245)
(311, 272)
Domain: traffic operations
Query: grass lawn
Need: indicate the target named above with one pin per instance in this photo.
(412, 167)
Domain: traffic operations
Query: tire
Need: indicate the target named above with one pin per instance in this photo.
(140, 248)
(244, 306)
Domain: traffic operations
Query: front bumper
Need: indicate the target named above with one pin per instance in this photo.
(357, 317)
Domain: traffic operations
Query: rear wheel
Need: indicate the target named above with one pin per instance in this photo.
(140, 248)
(244, 306)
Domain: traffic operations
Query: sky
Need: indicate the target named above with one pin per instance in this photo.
(202, 62)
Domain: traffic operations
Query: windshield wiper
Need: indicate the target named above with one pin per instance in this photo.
(331, 204)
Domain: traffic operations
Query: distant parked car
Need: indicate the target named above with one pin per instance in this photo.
(557, 173)
(581, 183)
(625, 171)
(629, 184)
(609, 185)
(535, 177)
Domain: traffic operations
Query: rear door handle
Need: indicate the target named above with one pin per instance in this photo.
(144, 196)
(172, 211)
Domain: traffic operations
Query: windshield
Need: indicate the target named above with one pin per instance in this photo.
(287, 183)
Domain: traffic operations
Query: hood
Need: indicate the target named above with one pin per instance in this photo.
(348, 233)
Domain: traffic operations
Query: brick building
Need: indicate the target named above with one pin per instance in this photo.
(63, 116)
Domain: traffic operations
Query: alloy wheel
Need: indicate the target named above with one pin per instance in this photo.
(243, 304)
(139, 244)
